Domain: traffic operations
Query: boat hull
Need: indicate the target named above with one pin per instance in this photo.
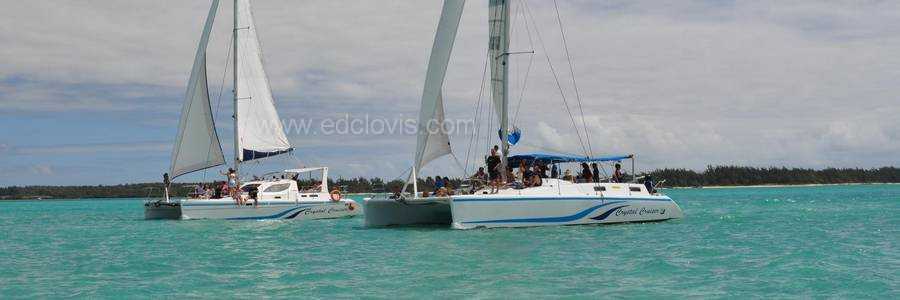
(488, 211)
(161, 210)
(389, 212)
(268, 210)
(228, 210)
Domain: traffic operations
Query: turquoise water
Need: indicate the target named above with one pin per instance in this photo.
(835, 241)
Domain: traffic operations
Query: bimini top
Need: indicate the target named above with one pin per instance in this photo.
(305, 170)
(549, 158)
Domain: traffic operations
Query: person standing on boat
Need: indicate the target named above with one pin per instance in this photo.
(232, 179)
(618, 176)
(596, 172)
(586, 174)
(554, 172)
(493, 167)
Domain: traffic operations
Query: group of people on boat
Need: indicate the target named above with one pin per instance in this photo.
(532, 173)
(219, 189)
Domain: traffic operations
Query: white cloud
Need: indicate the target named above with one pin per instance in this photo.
(683, 84)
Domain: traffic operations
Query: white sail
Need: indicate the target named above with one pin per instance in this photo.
(259, 129)
(197, 144)
(433, 141)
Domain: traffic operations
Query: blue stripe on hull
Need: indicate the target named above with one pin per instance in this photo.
(562, 219)
(275, 216)
(665, 199)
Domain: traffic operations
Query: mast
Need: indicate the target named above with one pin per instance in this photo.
(498, 48)
(237, 147)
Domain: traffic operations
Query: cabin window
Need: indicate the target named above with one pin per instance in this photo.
(275, 188)
(635, 189)
(599, 188)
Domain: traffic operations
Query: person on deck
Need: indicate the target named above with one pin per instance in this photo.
(493, 168)
(478, 179)
(447, 184)
(567, 175)
(618, 176)
(554, 172)
(542, 170)
(536, 179)
(232, 179)
(596, 172)
(648, 183)
(586, 174)
(521, 176)
(438, 183)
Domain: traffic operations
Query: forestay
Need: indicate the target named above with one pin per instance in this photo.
(197, 144)
(259, 129)
(433, 141)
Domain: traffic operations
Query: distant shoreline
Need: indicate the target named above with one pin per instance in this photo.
(780, 185)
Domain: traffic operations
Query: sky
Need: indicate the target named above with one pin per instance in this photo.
(91, 91)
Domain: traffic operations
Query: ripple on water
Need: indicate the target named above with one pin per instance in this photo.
(748, 242)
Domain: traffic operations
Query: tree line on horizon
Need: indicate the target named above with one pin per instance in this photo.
(711, 176)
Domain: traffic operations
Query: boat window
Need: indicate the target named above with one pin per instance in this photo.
(600, 188)
(249, 188)
(635, 189)
(275, 188)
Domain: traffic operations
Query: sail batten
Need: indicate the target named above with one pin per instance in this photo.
(197, 144)
(260, 132)
(433, 141)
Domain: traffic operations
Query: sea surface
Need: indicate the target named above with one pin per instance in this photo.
(820, 242)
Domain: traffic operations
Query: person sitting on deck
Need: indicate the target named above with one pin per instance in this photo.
(617, 174)
(438, 183)
(536, 178)
(596, 172)
(586, 174)
(542, 170)
(217, 191)
(198, 192)
(521, 176)
(478, 179)
(554, 172)
(447, 183)
(567, 175)
(528, 176)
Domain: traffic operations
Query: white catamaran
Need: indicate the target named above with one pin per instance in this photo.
(258, 134)
(555, 202)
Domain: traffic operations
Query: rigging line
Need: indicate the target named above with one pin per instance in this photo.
(556, 78)
(483, 121)
(522, 92)
(473, 141)
(562, 33)
(528, 69)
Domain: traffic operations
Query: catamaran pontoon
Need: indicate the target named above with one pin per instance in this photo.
(555, 202)
(258, 134)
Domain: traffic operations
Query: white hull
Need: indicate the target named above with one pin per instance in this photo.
(501, 211)
(277, 199)
(226, 209)
(266, 210)
(554, 204)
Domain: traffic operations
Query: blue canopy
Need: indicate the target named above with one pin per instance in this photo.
(549, 158)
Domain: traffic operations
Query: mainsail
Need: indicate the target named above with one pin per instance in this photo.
(197, 144)
(433, 141)
(259, 130)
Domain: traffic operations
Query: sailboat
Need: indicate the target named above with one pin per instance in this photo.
(555, 202)
(258, 133)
